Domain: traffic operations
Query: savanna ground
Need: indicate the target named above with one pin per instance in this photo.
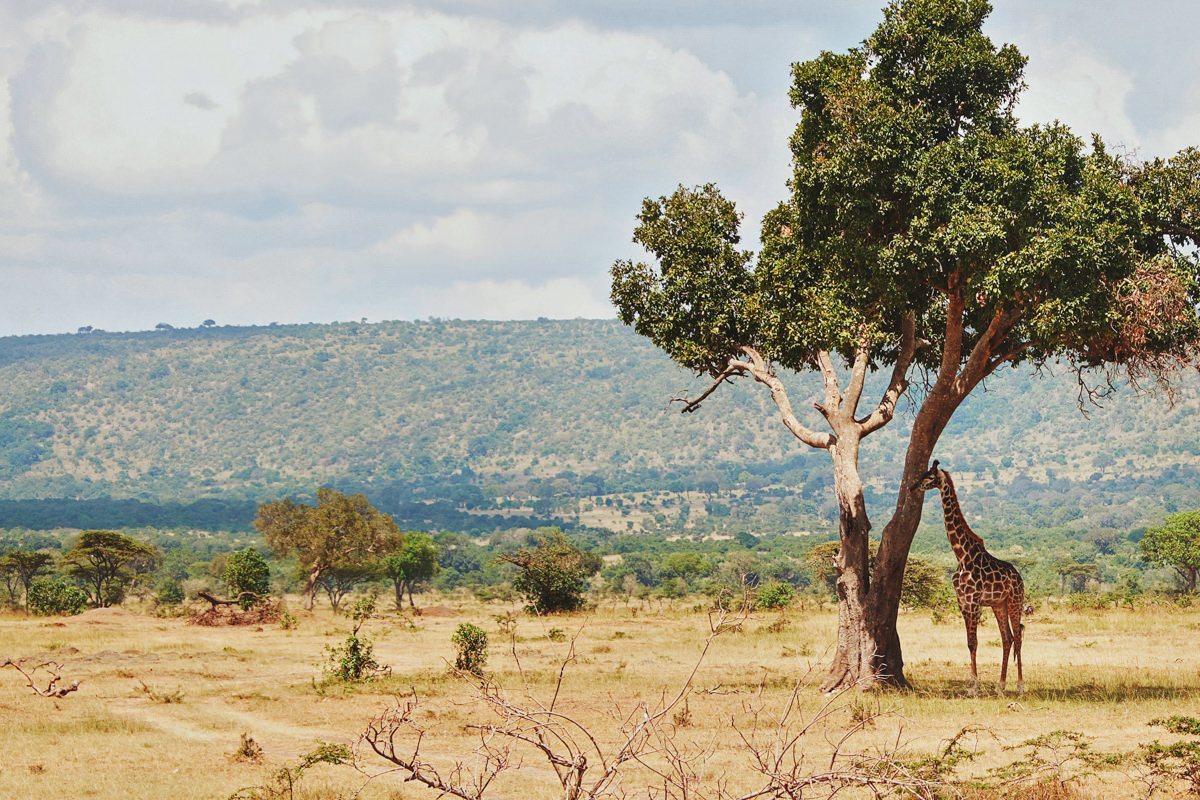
(163, 705)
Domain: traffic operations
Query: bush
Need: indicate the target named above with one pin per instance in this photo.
(246, 571)
(169, 592)
(55, 597)
(353, 661)
(472, 648)
(775, 594)
(554, 575)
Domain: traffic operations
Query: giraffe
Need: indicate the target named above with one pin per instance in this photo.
(980, 580)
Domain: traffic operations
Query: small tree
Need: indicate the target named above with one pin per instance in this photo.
(924, 585)
(107, 562)
(553, 576)
(246, 571)
(414, 561)
(340, 580)
(1077, 574)
(1176, 544)
(24, 566)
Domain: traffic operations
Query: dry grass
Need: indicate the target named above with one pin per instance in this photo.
(1105, 674)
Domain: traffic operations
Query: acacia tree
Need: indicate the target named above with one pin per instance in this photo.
(107, 562)
(339, 530)
(929, 234)
(1176, 544)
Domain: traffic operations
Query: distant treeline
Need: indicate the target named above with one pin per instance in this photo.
(233, 516)
(43, 515)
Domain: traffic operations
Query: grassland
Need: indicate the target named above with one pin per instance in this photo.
(162, 704)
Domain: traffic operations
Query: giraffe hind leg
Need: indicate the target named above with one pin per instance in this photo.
(1007, 637)
(1018, 632)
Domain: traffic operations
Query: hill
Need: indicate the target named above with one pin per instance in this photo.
(476, 426)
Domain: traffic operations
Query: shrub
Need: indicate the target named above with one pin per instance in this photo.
(246, 571)
(55, 597)
(472, 648)
(169, 592)
(775, 594)
(353, 660)
(553, 576)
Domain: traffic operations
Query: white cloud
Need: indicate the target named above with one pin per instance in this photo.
(559, 298)
(1070, 82)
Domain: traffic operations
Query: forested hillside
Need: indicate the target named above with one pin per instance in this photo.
(475, 426)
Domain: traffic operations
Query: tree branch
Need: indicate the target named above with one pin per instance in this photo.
(858, 377)
(833, 392)
(756, 366)
(954, 333)
(898, 384)
(976, 368)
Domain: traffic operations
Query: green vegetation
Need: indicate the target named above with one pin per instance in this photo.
(1176, 544)
(415, 561)
(246, 571)
(471, 642)
(107, 563)
(553, 576)
(48, 597)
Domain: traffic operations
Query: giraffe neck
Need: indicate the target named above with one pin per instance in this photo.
(963, 541)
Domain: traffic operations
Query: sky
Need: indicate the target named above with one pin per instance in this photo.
(258, 161)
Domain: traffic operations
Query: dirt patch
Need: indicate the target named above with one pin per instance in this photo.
(438, 611)
(100, 616)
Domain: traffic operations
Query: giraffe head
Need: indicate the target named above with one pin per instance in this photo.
(930, 480)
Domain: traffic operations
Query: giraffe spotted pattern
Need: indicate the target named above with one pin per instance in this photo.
(981, 581)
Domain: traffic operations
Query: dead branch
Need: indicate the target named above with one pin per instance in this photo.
(52, 688)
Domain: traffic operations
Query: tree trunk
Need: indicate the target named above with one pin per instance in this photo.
(857, 646)
(869, 602)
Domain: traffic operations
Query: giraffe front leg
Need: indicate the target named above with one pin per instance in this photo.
(971, 620)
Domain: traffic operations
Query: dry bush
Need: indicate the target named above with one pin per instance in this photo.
(265, 611)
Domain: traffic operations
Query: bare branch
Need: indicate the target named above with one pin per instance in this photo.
(52, 688)
(756, 366)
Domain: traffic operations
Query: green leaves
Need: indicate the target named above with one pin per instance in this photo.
(692, 305)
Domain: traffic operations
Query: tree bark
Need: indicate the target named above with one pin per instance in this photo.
(853, 662)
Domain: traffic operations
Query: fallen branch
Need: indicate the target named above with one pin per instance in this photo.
(52, 688)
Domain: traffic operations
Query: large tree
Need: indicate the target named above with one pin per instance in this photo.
(340, 530)
(23, 568)
(929, 234)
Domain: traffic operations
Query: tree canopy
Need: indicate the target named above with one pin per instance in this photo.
(107, 562)
(925, 229)
(1176, 544)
